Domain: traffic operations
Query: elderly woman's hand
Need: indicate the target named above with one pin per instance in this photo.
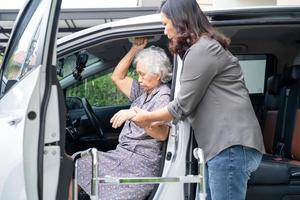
(139, 43)
(140, 118)
(120, 117)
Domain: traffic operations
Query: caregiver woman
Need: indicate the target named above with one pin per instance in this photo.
(213, 98)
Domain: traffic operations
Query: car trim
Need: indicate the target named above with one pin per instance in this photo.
(105, 37)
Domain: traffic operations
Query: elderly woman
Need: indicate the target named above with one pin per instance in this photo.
(139, 150)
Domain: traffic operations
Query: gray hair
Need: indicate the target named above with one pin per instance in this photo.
(156, 61)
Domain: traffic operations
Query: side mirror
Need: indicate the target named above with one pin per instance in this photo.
(81, 61)
(60, 68)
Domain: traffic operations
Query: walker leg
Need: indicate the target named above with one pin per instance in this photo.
(198, 154)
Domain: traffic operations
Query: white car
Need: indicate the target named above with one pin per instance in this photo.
(48, 85)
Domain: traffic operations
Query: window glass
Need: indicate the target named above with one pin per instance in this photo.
(24, 53)
(254, 70)
(100, 90)
(68, 64)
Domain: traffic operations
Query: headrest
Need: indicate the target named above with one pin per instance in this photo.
(274, 84)
(296, 60)
(291, 74)
(296, 71)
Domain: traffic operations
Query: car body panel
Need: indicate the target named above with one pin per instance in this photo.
(24, 105)
(181, 132)
(12, 122)
(33, 164)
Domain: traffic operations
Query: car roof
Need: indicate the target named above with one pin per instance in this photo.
(217, 16)
(146, 19)
(254, 12)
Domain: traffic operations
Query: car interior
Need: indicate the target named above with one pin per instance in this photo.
(92, 98)
(276, 107)
(268, 57)
(92, 101)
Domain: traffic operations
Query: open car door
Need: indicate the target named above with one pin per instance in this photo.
(32, 120)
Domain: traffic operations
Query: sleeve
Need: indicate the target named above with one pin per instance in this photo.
(199, 70)
(136, 90)
(162, 101)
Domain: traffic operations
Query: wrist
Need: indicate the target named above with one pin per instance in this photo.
(147, 116)
(133, 113)
(134, 49)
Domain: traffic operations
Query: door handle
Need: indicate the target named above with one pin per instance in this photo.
(15, 121)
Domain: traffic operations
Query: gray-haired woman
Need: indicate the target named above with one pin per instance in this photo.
(139, 150)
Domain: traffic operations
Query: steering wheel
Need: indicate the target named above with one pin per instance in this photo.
(92, 116)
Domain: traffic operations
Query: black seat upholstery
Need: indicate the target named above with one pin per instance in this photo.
(283, 167)
(271, 103)
(292, 129)
(286, 112)
(270, 172)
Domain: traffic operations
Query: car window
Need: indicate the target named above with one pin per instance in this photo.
(65, 66)
(100, 90)
(23, 58)
(254, 70)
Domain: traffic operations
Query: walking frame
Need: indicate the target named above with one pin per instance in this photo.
(200, 178)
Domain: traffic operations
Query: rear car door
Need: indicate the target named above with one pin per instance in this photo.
(32, 120)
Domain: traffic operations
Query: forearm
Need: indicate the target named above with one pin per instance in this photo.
(159, 132)
(159, 115)
(121, 70)
(120, 117)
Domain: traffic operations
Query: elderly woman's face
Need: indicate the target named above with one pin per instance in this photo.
(147, 80)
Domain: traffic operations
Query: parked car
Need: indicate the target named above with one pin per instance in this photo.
(46, 85)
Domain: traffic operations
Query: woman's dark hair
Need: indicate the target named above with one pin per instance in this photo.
(190, 24)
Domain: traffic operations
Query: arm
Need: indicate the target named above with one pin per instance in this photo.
(119, 76)
(120, 117)
(144, 118)
(200, 67)
(158, 131)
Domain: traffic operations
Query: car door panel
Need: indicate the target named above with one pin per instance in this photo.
(12, 142)
(87, 136)
(104, 115)
(25, 114)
